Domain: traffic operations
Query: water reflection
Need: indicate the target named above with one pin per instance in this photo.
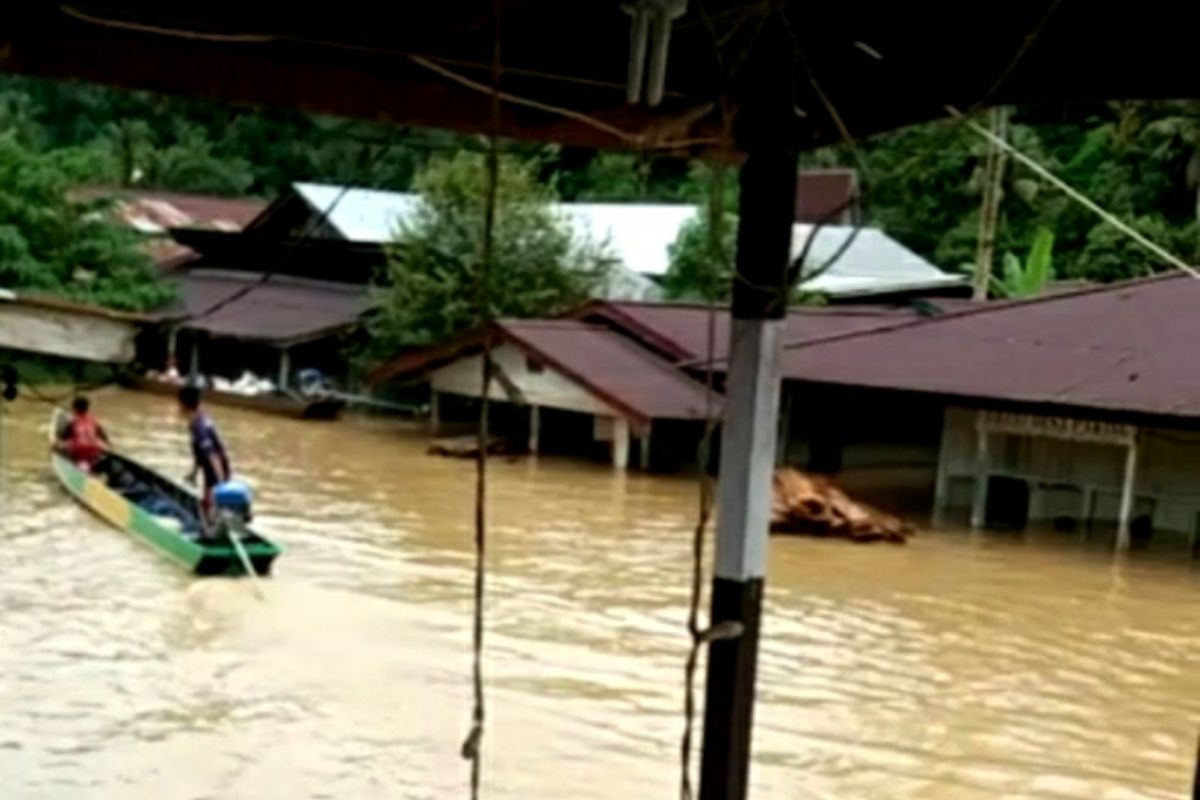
(952, 668)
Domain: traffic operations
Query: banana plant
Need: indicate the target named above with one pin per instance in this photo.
(1031, 278)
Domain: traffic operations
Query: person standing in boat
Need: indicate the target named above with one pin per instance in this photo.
(82, 439)
(208, 451)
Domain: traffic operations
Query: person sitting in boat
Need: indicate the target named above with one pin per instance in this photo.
(208, 451)
(82, 439)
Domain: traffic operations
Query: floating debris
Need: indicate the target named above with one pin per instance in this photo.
(813, 505)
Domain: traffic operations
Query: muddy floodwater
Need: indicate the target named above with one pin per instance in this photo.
(957, 667)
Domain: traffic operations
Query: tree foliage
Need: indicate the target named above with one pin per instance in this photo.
(1028, 278)
(700, 265)
(50, 244)
(433, 287)
(1140, 160)
(1137, 160)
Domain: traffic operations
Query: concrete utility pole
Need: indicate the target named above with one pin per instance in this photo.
(768, 191)
(995, 160)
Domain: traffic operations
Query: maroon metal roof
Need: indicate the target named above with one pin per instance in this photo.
(617, 370)
(826, 196)
(1121, 348)
(680, 330)
(283, 310)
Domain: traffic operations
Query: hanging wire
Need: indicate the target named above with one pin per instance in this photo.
(704, 511)
(472, 748)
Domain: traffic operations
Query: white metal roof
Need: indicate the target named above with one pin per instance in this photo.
(370, 215)
(360, 215)
(639, 235)
(873, 262)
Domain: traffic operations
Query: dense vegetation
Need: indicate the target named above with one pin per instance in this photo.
(1140, 160)
(49, 244)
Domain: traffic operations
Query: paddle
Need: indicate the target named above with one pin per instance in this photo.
(246, 563)
(238, 547)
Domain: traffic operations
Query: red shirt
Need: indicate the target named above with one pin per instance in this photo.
(84, 438)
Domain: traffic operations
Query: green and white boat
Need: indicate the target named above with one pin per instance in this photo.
(160, 514)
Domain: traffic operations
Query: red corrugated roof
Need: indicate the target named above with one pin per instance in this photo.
(617, 370)
(1121, 348)
(283, 310)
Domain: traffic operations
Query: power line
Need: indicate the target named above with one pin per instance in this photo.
(1075, 194)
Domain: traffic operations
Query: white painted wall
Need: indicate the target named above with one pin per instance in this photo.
(546, 388)
(1168, 472)
(62, 333)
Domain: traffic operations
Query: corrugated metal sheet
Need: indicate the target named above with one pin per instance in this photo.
(616, 369)
(680, 330)
(640, 236)
(872, 263)
(155, 212)
(373, 216)
(608, 364)
(281, 311)
(1121, 348)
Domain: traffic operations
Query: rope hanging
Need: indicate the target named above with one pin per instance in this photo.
(472, 747)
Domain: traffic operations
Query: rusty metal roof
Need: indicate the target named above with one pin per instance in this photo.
(281, 311)
(1124, 348)
(156, 212)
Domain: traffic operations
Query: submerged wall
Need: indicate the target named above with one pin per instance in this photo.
(1076, 484)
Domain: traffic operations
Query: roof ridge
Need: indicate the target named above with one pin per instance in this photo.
(548, 322)
(990, 308)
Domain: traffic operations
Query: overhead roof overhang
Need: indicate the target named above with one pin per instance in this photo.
(424, 63)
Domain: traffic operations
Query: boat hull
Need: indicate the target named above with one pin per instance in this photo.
(199, 556)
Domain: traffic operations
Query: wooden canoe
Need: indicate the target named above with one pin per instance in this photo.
(158, 513)
(287, 405)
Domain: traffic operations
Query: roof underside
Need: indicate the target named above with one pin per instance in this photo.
(883, 64)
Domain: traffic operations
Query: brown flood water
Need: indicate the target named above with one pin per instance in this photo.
(953, 668)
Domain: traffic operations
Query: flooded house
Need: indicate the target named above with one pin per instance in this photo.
(565, 386)
(615, 380)
(1079, 410)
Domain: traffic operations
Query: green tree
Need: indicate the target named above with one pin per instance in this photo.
(433, 288)
(700, 265)
(52, 245)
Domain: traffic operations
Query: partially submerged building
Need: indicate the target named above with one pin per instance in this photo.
(608, 380)
(566, 386)
(227, 321)
(1079, 409)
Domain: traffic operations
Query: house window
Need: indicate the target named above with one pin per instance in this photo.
(534, 366)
